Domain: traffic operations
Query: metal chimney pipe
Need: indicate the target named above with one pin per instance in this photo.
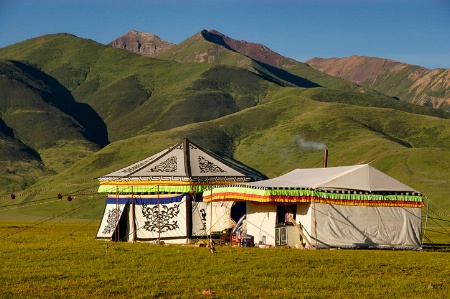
(325, 159)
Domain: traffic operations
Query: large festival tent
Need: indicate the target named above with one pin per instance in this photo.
(342, 207)
(160, 197)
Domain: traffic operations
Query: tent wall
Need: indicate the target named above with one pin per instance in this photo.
(367, 227)
(171, 222)
(342, 226)
(261, 221)
(167, 220)
(304, 216)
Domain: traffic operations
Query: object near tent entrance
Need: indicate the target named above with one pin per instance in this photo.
(285, 213)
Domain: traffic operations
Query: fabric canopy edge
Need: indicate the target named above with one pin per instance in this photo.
(303, 195)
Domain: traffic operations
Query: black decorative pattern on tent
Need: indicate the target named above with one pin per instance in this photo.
(137, 166)
(165, 222)
(203, 219)
(113, 218)
(207, 166)
(170, 165)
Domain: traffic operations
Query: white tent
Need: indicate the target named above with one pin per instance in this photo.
(348, 207)
(160, 197)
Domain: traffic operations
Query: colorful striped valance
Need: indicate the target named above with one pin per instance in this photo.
(154, 187)
(291, 195)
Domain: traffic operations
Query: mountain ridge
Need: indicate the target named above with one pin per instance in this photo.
(410, 83)
(414, 84)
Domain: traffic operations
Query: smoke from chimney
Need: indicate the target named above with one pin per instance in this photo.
(309, 144)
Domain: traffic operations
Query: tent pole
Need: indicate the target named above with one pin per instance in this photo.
(117, 217)
(315, 221)
(426, 221)
(210, 220)
(159, 220)
(133, 213)
(189, 199)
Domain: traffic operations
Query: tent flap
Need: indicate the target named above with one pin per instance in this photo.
(111, 216)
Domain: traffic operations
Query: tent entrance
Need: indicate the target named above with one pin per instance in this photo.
(113, 221)
(121, 231)
(238, 210)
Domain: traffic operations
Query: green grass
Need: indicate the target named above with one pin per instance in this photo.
(62, 260)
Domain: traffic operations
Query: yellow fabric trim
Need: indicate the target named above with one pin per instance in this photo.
(161, 183)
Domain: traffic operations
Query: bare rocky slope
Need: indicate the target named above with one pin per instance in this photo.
(411, 83)
(142, 43)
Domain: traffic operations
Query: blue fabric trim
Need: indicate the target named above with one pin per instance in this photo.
(143, 201)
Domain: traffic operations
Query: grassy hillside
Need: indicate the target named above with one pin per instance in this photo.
(271, 138)
(131, 92)
(74, 96)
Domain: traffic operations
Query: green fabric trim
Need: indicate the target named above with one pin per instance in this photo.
(369, 197)
(290, 192)
(150, 189)
(261, 192)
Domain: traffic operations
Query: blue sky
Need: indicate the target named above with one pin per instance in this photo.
(410, 31)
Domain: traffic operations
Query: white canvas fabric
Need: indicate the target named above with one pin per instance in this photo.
(261, 220)
(172, 221)
(343, 226)
(111, 217)
(199, 211)
(366, 227)
(130, 169)
(170, 224)
(357, 177)
(184, 161)
(219, 219)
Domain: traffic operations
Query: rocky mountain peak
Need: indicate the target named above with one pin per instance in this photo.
(142, 43)
(254, 51)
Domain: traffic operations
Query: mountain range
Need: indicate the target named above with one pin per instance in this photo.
(72, 109)
(410, 83)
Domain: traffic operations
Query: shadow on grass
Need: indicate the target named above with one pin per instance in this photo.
(436, 247)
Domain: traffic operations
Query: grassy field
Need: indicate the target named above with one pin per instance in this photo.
(63, 260)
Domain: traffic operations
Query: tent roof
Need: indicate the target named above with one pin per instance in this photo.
(357, 177)
(185, 162)
(346, 185)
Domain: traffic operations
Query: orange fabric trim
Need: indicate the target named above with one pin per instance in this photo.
(236, 196)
